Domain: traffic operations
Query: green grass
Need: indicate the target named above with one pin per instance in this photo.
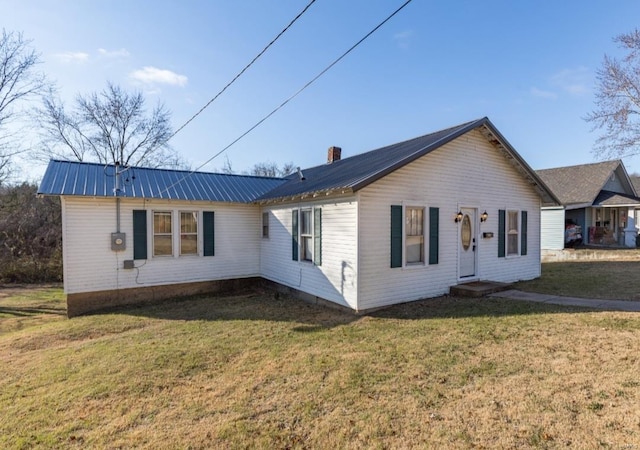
(254, 371)
(589, 279)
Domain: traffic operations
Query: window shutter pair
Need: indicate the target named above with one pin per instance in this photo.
(501, 233)
(140, 233)
(397, 230)
(317, 235)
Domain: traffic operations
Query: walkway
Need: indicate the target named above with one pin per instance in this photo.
(609, 305)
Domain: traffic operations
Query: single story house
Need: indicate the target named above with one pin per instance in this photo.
(400, 223)
(600, 198)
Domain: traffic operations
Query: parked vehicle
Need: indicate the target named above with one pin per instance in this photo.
(572, 235)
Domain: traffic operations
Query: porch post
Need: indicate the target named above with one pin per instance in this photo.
(630, 230)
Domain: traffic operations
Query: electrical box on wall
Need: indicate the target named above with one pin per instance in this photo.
(118, 242)
(128, 264)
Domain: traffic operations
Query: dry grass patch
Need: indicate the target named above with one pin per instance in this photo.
(254, 371)
(590, 279)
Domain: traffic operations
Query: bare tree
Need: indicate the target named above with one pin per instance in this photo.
(271, 169)
(107, 127)
(617, 110)
(18, 83)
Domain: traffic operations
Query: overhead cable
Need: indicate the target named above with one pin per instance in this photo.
(309, 83)
(242, 71)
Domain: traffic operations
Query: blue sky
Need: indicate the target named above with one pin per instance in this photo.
(528, 66)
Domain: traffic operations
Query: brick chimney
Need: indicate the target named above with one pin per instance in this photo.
(333, 154)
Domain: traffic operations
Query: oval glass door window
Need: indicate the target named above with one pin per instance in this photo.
(465, 232)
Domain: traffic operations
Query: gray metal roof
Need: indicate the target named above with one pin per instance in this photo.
(97, 180)
(354, 173)
(349, 174)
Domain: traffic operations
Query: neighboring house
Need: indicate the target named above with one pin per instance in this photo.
(598, 197)
(396, 224)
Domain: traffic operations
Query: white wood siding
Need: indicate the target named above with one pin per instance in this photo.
(91, 265)
(336, 278)
(467, 172)
(552, 228)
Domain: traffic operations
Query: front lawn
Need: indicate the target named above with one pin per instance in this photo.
(255, 371)
(590, 279)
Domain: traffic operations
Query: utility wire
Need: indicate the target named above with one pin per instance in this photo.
(309, 83)
(284, 30)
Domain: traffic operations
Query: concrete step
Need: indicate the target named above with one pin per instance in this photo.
(478, 288)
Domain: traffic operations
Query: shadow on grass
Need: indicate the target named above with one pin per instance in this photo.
(265, 306)
(18, 311)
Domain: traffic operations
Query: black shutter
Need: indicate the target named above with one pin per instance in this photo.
(434, 225)
(139, 234)
(294, 234)
(523, 234)
(501, 225)
(208, 233)
(317, 236)
(396, 236)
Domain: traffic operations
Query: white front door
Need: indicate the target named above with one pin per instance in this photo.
(467, 243)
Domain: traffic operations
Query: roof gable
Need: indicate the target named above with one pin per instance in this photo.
(582, 184)
(354, 173)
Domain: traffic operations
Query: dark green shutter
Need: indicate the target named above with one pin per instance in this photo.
(501, 224)
(434, 230)
(317, 236)
(139, 234)
(208, 233)
(294, 234)
(523, 234)
(396, 236)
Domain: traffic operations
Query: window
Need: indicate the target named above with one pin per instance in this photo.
(512, 233)
(414, 235)
(188, 233)
(162, 236)
(306, 235)
(265, 224)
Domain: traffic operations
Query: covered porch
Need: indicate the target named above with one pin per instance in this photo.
(612, 220)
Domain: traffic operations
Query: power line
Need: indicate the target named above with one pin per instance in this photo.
(309, 83)
(284, 30)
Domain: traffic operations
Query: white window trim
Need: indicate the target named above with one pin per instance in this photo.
(176, 241)
(153, 233)
(311, 235)
(425, 234)
(178, 234)
(506, 233)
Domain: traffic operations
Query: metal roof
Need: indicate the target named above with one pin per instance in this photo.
(98, 180)
(346, 175)
(354, 173)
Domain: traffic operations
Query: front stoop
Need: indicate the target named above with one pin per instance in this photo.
(478, 288)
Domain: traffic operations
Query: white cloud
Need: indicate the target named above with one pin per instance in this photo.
(69, 57)
(153, 75)
(122, 53)
(573, 81)
(543, 94)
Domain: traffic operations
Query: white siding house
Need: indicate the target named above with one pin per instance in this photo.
(400, 223)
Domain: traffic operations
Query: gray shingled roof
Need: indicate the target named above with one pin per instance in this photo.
(98, 180)
(579, 184)
(356, 172)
